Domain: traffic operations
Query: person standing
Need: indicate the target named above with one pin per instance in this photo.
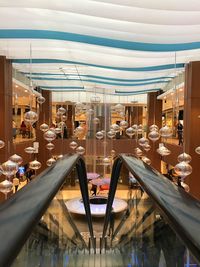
(14, 126)
(94, 190)
(16, 183)
(23, 129)
(180, 133)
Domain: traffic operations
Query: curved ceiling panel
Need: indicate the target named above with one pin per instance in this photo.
(181, 5)
(114, 12)
(123, 46)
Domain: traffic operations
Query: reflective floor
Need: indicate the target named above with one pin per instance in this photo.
(139, 237)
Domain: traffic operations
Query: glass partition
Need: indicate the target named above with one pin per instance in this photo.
(56, 240)
(146, 239)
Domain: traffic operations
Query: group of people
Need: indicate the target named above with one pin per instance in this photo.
(25, 130)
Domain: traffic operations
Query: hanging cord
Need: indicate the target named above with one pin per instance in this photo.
(30, 77)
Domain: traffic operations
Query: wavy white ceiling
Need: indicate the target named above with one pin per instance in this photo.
(112, 45)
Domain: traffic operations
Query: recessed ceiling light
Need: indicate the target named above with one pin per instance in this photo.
(181, 89)
(16, 86)
(25, 91)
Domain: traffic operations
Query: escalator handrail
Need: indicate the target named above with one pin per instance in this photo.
(23, 210)
(181, 210)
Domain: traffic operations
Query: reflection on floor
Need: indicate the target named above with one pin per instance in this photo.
(140, 238)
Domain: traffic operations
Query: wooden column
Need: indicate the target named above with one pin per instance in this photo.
(45, 116)
(154, 108)
(136, 113)
(6, 134)
(6, 108)
(69, 121)
(192, 123)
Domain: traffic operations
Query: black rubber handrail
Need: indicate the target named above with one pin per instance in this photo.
(180, 210)
(23, 210)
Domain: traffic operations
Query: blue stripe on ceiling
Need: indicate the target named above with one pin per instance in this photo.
(99, 82)
(80, 38)
(82, 89)
(64, 87)
(98, 77)
(63, 90)
(60, 61)
(137, 92)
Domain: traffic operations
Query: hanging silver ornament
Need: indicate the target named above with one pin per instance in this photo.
(80, 150)
(79, 131)
(50, 146)
(50, 161)
(183, 169)
(58, 130)
(16, 159)
(44, 127)
(30, 117)
(9, 168)
(35, 165)
(143, 141)
(119, 108)
(73, 145)
(62, 110)
(6, 186)
(115, 127)
(166, 132)
(99, 135)
(146, 147)
(40, 100)
(49, 135)
(154, 135)
(123, 124)
(197, 150)
(130, 132)
(163, 151)
(184, 157)
(135, 127)
(138, 152)
(29, 150)
(2, 144)
(111, 134)
(153, 127)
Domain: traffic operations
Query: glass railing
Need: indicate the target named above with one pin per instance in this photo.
(159, 227)
(56, 240)
(147, 239)
(36, 227)
(46, 225)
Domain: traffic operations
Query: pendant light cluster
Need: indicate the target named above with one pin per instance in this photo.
(9, 169)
